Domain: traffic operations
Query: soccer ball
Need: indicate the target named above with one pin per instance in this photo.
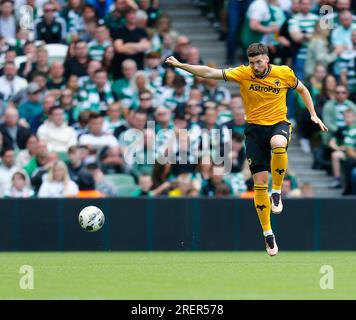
(91, 219)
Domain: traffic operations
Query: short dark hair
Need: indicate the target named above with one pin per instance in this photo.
(94, 115)
(73, 149)
(4, 151)
(54, 108)
(179, 81)
(256, 49)
(100, 70)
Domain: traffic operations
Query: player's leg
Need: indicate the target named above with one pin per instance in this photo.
(279, 163)
(258, 155)
(263, 209)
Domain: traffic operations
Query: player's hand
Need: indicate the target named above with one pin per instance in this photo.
(320, 123)
(172, 61)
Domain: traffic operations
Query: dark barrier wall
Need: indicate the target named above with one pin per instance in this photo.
(175, 224)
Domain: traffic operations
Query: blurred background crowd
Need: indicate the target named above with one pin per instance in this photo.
(73, 85)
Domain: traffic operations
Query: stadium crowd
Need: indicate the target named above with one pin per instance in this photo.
(78, 88)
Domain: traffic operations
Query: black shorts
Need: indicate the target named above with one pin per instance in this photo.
(258, 145)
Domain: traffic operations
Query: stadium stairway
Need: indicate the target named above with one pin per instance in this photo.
(188, 20)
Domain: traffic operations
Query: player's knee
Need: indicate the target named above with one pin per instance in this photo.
(279, 141)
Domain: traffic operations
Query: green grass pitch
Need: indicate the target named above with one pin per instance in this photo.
(178, 275)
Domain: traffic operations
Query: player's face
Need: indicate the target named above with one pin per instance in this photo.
(259, 64)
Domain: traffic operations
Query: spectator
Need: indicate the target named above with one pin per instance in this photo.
(76, 167)
(327, 92)
(58, 136)
(110, 160)
(347, 67)
(7, 20)
(181, 49)
(81, 126)
(193, 111)
(35, 63)
(10, 82)
(78, 64)
(113, 119)
(307, 190)
(145, 184)
(56, 81)
(96, 138)
(308, 132)
(101, 41)
(50, 28)
(39, 165)
(96, 94)
(238, 123)
(238, 152)
(184, 186)
(288, 190)
(301, 28)
(161, 184)
(49, 102)
(107, 60)
(116, 18)
(236, 16)
(92, 67)
(186, 159)
(139, 83)
(14, 135)
(101, 7)
(24, 156)
(216, 180)
(178, 96)
(350, 165)
(20, 186)
(333, 111)
(130, 42)
(57, 183)
(337, 145)
(86, 187)
(66, 102)
(146, 104)
(7, 169)
(341, 35)
(318, 50)
(73, 15)
(31, 109)
(259, 23)
(141, 20)
(9, 56)
(164, 29)
(154, 69)
(142, 161)
(120, 87)
(101, 183)
(214, 92)
(90, 21)
(152, 9)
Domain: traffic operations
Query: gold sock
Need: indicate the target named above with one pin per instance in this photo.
(263, 205)
(279, 164)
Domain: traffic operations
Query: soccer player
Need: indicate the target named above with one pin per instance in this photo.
(263, 88)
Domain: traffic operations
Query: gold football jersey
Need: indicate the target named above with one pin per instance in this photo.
(264, 98)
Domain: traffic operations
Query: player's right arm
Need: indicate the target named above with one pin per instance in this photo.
(198, 70)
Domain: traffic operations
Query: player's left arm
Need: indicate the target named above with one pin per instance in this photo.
(308, 101)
